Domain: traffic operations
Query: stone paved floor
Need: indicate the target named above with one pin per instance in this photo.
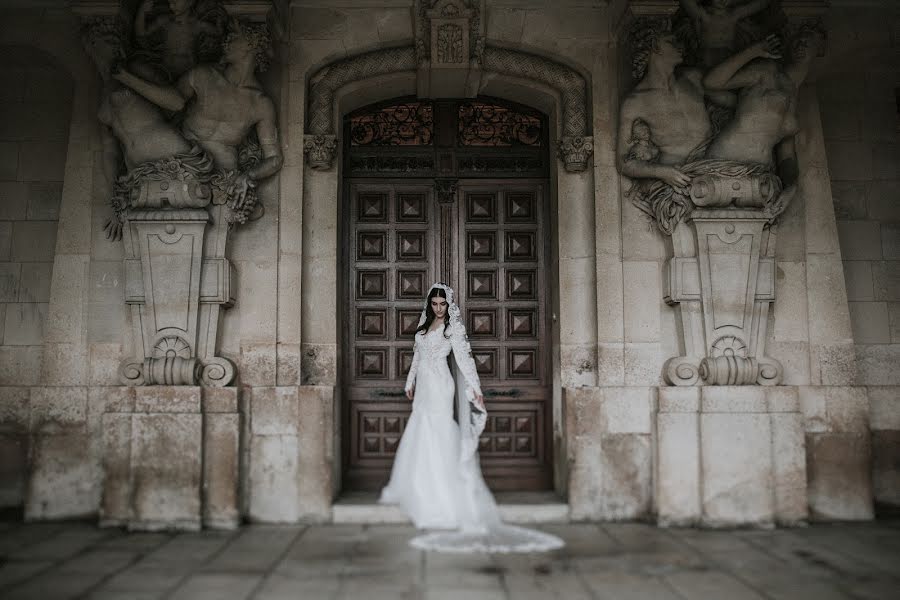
(615, 561)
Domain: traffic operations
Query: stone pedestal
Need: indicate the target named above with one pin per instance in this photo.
(730, 456)
(170, 457)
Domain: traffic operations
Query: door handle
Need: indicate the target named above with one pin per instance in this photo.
(504, 393)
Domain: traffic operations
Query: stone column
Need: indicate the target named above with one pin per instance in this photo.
(835, 411)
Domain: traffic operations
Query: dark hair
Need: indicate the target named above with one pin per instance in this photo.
(429, 313)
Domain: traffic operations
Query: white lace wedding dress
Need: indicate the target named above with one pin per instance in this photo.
(436, 478)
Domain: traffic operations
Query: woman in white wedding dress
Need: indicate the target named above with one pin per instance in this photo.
(436, 478)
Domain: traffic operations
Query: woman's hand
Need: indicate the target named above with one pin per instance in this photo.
(410, 392)
(479, 401)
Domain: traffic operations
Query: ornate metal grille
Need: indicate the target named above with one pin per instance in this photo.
(404, 124)
(485, 124)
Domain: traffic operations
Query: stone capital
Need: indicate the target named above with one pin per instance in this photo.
(320, 151)
(575, 151)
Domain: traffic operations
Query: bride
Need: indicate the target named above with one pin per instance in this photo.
(436, 478)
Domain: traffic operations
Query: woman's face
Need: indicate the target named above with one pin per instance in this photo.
(439, 307)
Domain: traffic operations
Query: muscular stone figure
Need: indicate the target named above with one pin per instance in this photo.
(222, 106)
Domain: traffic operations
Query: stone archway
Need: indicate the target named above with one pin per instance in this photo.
(548, 85)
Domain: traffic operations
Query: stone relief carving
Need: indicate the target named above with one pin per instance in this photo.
(576, 143)
(188, 134)
(710, 149)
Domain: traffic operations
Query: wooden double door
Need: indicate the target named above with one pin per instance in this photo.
(488, 240)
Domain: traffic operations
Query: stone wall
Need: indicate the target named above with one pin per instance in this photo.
(35, 109)
(859, 108)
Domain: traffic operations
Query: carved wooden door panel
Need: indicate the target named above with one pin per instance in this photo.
(502, 283)
(392, 254)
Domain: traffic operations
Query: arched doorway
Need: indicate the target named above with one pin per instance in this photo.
(453, 191)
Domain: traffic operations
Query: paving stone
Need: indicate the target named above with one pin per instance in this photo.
(54, 586)
(68, 542)
(217, 586)
(14, 572)
(711, 586)
(102, 562)
(616, 561)
(281, 587)
(255, 549)
(627, 586)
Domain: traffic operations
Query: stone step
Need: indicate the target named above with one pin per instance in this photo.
(515, 507)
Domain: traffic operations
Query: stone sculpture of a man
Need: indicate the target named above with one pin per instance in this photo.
(671, 105)
(222, 106)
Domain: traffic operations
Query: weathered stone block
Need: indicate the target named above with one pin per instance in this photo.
(166, 469)
(220, 400)
(43, 200)
(316, 451)
(628, 409)
(641, 314)
(111, 399)
(585, 424)
(860, 240)
(167, 399)
(13, 200)
(24, 324)
(273, 479)
(5, 239)
(839, 476)
(34, 241)
(643, 364)
(858, 278)
(9, 160)
(833, 363)
(274, 411)
(13, 468)
(884, 408)
(831, 409)
(20, 365)
(849, 199)
(58, 410)
(42, 161)
(9, 281)
(627, 475)
(789, 468)
(736, 469)
(221, 446)
(677, 481)
(675, 399)
(34, 285)
(63, 478)
(870, 322)
(14, 409)
(288, 364)
(890, 241)
(258, 364)
(115, 501)
(877, 364)
(733, 399)
(886, 468)
(886, 278)
(882, 200)
(782, 399)
(319, 364)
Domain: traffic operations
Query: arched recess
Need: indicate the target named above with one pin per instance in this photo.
(539, 82)
(575, 144)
